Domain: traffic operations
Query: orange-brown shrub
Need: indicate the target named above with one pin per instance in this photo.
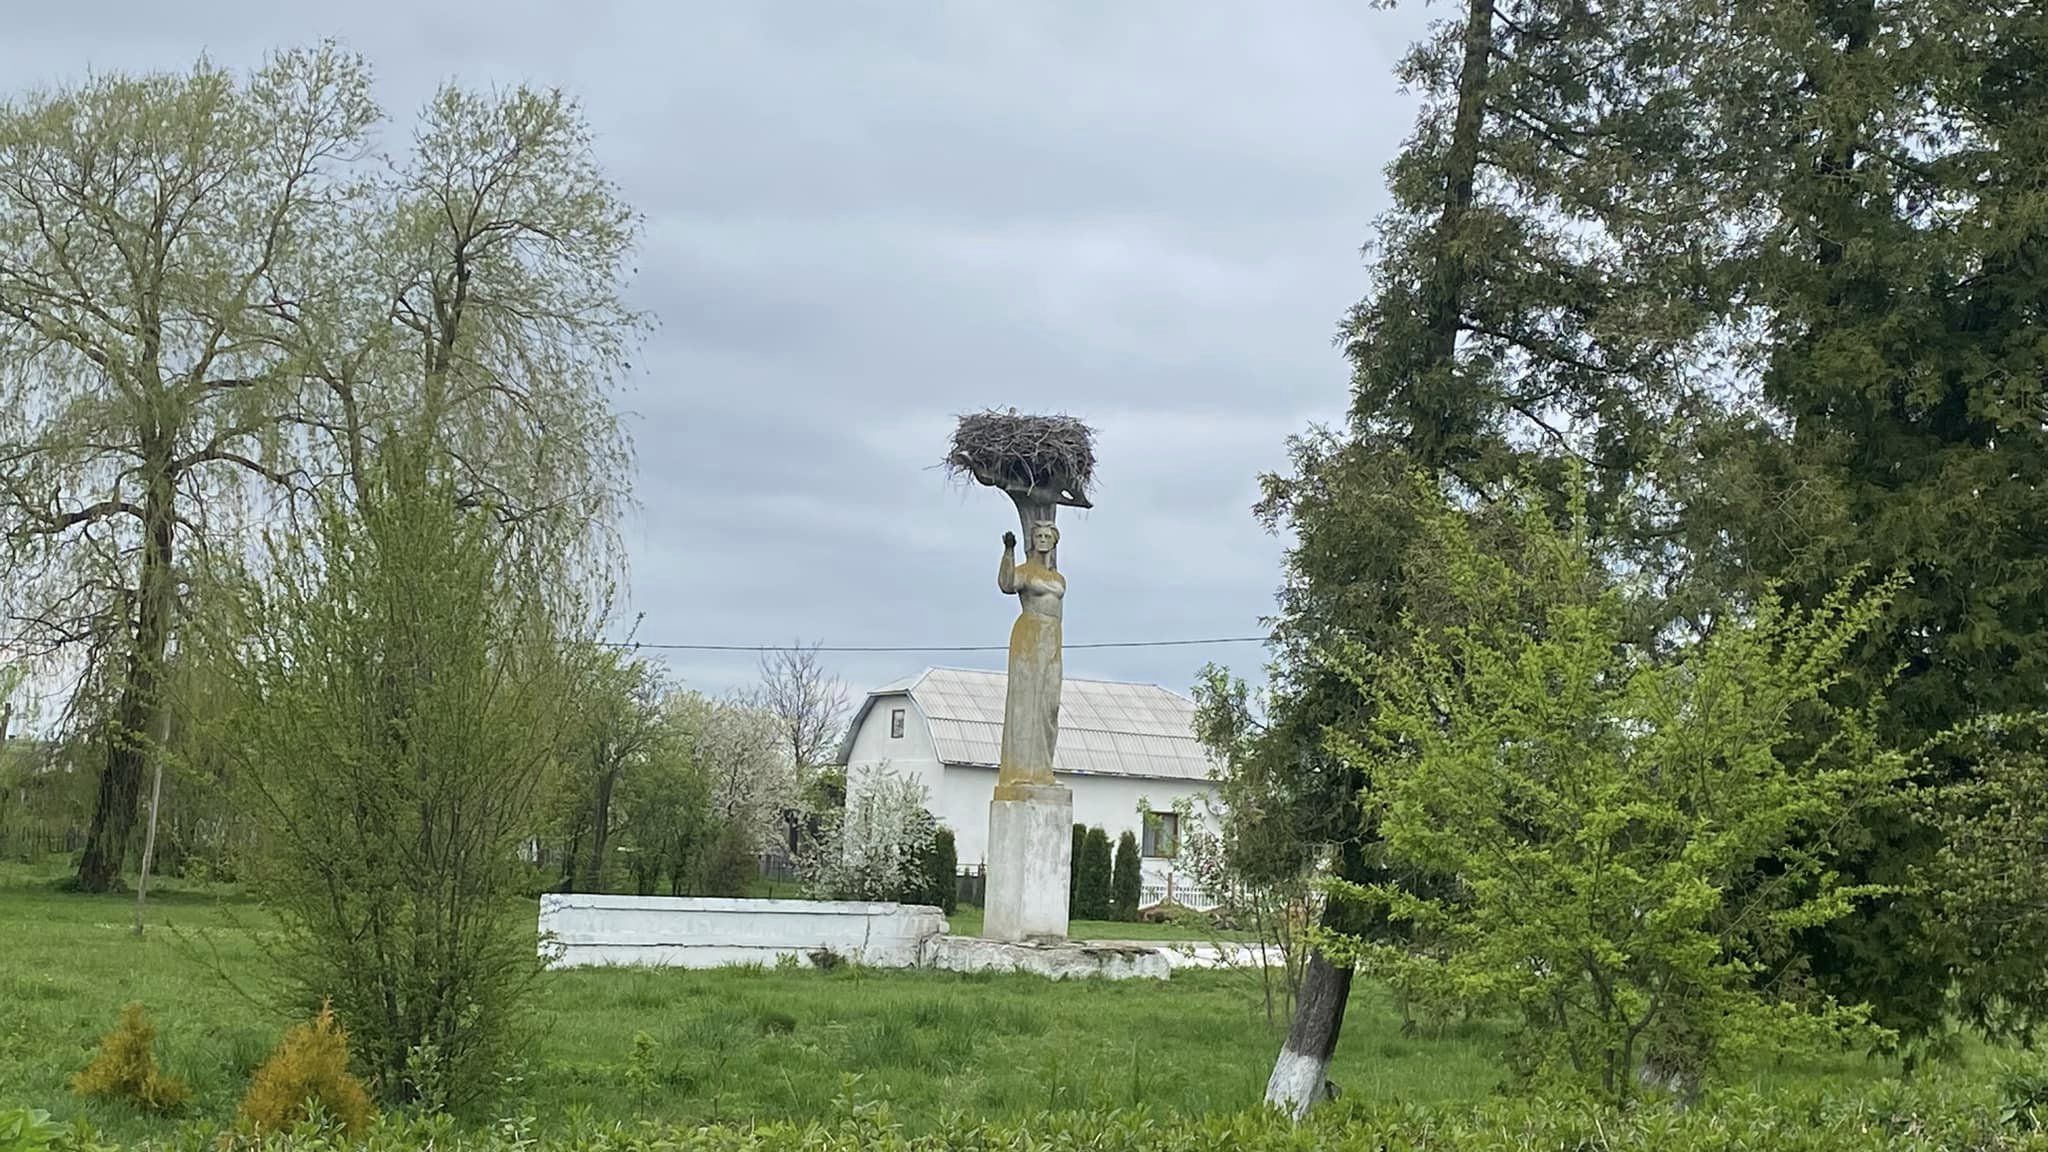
(310, 1063)
(125, 1068)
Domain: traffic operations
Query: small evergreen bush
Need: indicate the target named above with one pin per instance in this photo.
(1080, 849)
(310, 1064)
(125, 1068)
(1092, 903)
(942, 870)
(1126, 885)
(729, 865)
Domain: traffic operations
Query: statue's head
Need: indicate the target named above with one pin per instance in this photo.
(1044, 537)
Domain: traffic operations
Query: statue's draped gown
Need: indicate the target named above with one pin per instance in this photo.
(1031, 708)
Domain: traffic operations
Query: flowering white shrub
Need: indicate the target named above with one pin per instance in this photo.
(874, 848)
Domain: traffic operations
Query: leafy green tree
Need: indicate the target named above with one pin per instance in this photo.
(404, 705)
(208, 304)
(738, 748)
(1126, 884)
(665, 803)
(1876, 254)
(148, 225)
(1092, 901)
(1509, 329)
(621, 728)
(1631, 851)
(810, 707)
(1986, 886)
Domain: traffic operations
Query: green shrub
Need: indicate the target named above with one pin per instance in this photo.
(23, 1130)
(2023, 1095)
(125, 1068)
(1520, 755)
(729, 865)
(405, 699)
(1092, 900)
(942, 872)
(1074, 868)
(309, 1066)
(1127, 884)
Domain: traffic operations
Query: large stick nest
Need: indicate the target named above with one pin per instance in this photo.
(1051, 454)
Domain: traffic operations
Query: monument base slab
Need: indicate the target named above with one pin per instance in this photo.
(1053, 961)
(1030, 842)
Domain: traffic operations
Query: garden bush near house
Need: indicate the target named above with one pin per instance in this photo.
(879, 846)
(125, 1068)
(310, 1066)
(1092, 896)
(1127, 882)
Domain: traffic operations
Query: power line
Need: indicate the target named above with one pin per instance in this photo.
(635, 644)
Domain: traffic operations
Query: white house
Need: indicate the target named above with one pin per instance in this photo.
(1124, 749)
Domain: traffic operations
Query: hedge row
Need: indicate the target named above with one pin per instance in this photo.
(1889, 1117)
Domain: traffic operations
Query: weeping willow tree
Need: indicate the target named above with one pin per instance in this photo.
(217, 297)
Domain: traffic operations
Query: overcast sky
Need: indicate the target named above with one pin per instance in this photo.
(866, 218)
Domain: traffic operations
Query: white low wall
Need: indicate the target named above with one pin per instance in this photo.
(702, 932)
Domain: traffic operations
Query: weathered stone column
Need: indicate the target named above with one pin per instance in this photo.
(1030, 840)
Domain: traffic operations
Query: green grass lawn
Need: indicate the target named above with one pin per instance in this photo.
(737, 1043)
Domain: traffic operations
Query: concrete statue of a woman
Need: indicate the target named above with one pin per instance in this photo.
(1030, 818)
(1031, 708)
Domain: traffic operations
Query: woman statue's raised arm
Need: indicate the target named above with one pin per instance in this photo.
(1006, 573)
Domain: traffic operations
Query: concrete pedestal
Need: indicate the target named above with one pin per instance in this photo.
(1030, 845)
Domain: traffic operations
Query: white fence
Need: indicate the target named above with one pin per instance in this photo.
(1169, 888)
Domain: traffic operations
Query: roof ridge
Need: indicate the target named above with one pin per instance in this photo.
(1067, 679)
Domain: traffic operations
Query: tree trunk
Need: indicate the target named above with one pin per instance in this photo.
(600, 829)
(131, 747)
(156, 795)
(1461, 173)
(1301, 1076)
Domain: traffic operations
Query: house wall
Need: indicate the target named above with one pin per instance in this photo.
(960, 794)
(911, 755)
(1110, 802)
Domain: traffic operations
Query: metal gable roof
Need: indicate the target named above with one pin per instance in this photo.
(1106, 728)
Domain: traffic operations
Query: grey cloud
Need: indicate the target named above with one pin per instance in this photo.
(865, 217)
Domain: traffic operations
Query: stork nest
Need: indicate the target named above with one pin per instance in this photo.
(1005, 450)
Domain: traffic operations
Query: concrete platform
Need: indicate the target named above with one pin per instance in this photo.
(1053, 960)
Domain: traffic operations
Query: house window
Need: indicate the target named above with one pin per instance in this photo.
(1162, 834)
(896, 724)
